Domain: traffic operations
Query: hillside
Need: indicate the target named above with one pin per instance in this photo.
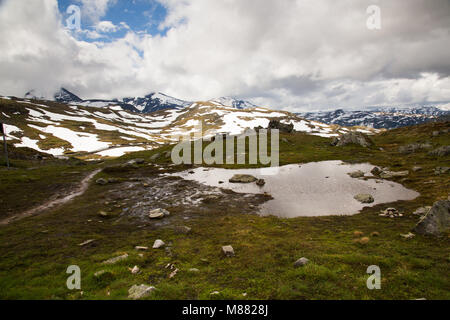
(91, 132)
(111, 220)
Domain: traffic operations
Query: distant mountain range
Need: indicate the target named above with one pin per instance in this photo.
(373, 117)
(380, 117)
(152, 102)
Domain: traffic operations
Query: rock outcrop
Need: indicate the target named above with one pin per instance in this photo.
(284, 128)
(437, 221)
(352, 137)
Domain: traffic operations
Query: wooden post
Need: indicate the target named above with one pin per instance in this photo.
(3, 131)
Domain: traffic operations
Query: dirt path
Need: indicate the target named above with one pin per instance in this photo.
(55, 201)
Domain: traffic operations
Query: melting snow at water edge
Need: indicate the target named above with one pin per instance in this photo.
(312, 189)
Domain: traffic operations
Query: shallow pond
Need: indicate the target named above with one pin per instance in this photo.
(312, 189)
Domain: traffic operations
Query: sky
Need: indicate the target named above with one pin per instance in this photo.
(294, 55)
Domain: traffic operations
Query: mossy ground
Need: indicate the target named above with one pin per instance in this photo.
(35, 252)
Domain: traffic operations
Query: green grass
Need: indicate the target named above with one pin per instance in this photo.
(35, 252)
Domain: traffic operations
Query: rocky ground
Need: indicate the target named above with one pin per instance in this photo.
(209, 243)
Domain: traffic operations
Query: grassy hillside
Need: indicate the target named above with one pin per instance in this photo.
(36, 251)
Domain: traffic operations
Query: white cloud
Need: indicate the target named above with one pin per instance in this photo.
(291, 54)
(106, 27)
(95, 9)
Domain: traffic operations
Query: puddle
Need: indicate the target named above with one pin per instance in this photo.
(312, 189)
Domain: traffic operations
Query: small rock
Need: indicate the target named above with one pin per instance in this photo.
(260, 182)
(101, 182)
(104, 214)
(173, 274)
(393, 174)
(364, 198)
(183, 230)
(356, 174)
(243, 178)
(214, 293)
(422, 211)
(416, 168)
(301, 262)
(228, 251)
(391, 213)
(158, 213)
(441, 170)
(376, 171)
(85, 243)
(155, 157)
(116, 259)
(194, 270)
(158, 244)
(139, 292)
(408, 235)
(139, 248)
(440, 152)
(135, 270)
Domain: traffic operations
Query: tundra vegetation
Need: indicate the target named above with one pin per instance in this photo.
(111, 221)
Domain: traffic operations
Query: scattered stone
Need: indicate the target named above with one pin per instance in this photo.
(183, 230)
(414, 147)
(301, 262)
(422, 211)
(416, 168)
(135, 270)
(441, 170)
(155, 157)
(194, 270)
(138, 292)
(408, 235)
(440, 152)
(356, 174)
(158, 213)
(353, 137)
(221, 182)
(376, 171)
(103, 214)
(136, 161)
(364, 198)
(228, 251)
(436, 221)
(214, 293)
(391, 213)
(158, 244)
(141, 248)
(101, 182)
(173, 274)
(243, 178)
(86, 242)
(260, 182)
(116, 259)
(284, 128)
(393, 174)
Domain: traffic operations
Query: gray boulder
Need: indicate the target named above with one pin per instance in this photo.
(414, 147)
(356, 174)
(440, 152)
(138, 292)
(436, 221)
(354, 137)
(285, 128)
(101, 181)
(243, 178)
(441, 170)
(364, 198)
(228, 251)
(393, 174)
(301, 262)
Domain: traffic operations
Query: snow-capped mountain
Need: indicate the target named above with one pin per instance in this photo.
(233, 102)
(91, 132)
(379, 117)
(150, 103)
